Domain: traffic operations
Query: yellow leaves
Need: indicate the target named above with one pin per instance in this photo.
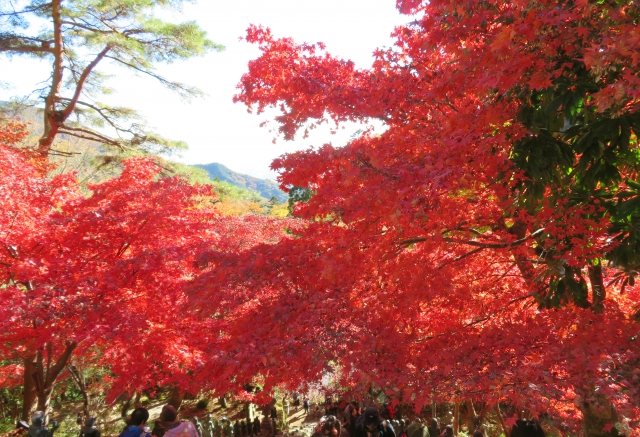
(239, 208)
(281, 210)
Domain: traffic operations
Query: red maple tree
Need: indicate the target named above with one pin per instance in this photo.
(483, 245)
(104, 276)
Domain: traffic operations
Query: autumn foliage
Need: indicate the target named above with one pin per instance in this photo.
(104, 276)
(482, 246)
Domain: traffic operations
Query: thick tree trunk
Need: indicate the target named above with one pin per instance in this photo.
(46, 374)
(52, 118)
(472, 417)
(29, 394)
(124, 411)
(598, 419)
(175, 398)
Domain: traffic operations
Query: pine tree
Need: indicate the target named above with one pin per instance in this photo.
(81, 35)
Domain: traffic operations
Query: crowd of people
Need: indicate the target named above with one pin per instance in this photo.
(356, 421)
(168, 425)
(380, 422)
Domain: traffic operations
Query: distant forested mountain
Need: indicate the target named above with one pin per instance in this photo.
(265, 187)
(93, 163)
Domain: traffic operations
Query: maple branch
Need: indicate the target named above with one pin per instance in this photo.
(480, 320)
(504, 426)
(475, 243)
(458, 258)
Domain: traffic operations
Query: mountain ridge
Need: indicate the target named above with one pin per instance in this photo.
(267, 188)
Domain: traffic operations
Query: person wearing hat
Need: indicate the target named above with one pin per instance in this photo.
(175, 427)
(371, 424)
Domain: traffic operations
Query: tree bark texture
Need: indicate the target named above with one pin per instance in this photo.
(29, 394)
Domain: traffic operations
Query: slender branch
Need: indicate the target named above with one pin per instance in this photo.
(458, 258)
(476, 243)
(99, 111)
(96, 136)
(481, 319)
(25, 11)
(142, 70)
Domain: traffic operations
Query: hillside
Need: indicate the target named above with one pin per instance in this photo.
(265, 187)
(93, 163)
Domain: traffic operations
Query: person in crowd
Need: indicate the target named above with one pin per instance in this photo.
(256, 426)
(447, 431)
(329, 426)
(175, 427)
(89, 429)
(243, 429)
(138, 424)
(158, 428)
(417, 429)
(356, 413)
(348, 417)
(38, 427)
(306, 405)
(434, 428)
(527, 428)
(371, 424)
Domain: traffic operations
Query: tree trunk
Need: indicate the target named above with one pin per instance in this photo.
(46, 374)
(598, 290)
(29, 393)
(51, 115)
(598, 417)
(175, 398)
(124, 411)
(456, 418)
(472, 419)
(505, 429)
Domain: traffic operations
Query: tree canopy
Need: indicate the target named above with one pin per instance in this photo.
(483, 244)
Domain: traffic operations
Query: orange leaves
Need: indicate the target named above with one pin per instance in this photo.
(503, 39)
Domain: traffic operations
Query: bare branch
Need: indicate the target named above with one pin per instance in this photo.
(185, 91)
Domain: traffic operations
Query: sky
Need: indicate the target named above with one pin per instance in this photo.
(216, 129)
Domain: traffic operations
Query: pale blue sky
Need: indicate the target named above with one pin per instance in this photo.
(216, 129)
